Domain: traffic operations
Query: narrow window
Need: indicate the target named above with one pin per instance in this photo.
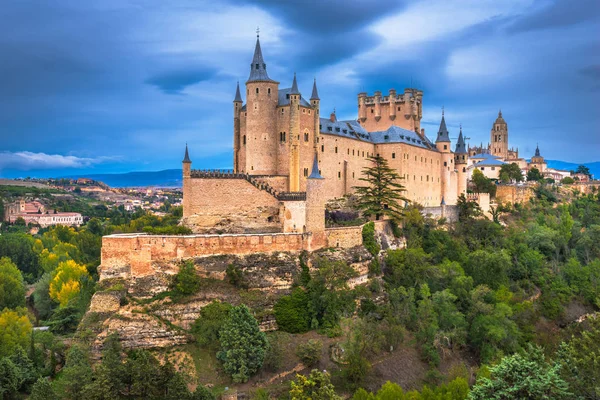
(256, 90)
(393, 155)
(269, 91)
(445, 147)
(305, 171)
(336, 149)
(244, 140)
(305, 136)
(322, 148)
(339, 175)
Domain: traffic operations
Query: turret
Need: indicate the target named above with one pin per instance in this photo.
(443, 138)
(362, 108)
(392, 104)
(460, 163)
(237, 107)
(261, 138)
(377, 98)
(294, 179)
(187, 174)
(499, 137)
(315, 102)
(315, 208)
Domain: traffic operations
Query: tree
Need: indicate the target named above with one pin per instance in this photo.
(208, 325)
(522, 376)
(42, 390)
(186, 281)
(488, 268)
(243, 345)
(316, 386)
(383, 195)
(143, 377)
(19, 248)
(580, 360)
(12, 287)
(292, 312)
(9, 379)
(567, 180)
(467, 209)
(482, 184)
(65, 284)
(582, 169)
(202, 393)
(15, 330)
(513, 172)
(534, 175)
(77, 373)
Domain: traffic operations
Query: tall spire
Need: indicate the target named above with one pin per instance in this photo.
(537, 150)
(238, 96)
(461, 148)
(294, 86)
(186, 158)
(443, 131)
(315, 170)
(315, 94)
(258, 68)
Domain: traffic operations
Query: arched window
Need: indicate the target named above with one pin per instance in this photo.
(306, 136)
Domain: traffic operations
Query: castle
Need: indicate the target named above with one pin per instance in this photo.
(283, 147)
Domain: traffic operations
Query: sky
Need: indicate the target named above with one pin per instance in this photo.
(121, 85)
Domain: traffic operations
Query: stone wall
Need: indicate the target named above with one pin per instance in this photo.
(513, 194)
(346, 237)
(448, 212)
(229, 205)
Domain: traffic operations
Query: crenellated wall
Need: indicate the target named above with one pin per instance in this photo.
(513, 194)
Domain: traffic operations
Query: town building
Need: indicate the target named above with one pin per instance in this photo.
(36, 213)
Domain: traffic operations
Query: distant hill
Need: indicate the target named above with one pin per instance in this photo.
(172, 177)
(593, 166)
(165, 178)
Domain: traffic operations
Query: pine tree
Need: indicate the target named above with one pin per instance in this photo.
(42, 390)
(383, 195)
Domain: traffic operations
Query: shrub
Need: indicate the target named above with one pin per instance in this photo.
(186, 282)
(236, 277)
(368, 236)
(292, 312)
(212, 317)
(310, 352)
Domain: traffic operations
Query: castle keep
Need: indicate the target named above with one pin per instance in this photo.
(288, 160)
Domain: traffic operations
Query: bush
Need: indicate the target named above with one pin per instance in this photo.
(567, 180)
(292, 312)
(186, 282)
(236, 277)
(368, 236)
(206, 328)
(310, 352)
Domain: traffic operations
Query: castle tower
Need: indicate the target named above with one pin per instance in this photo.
(315, 207)
(362, 107)
(186, 165)
(315, 103)
(442, 143)
(392, 107)
(499, 137)
(294, 185)
(237, 108)
(460, 162)
(377, 98)
(259, 143)
(537, 161)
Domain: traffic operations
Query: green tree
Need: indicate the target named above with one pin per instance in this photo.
(580, 360)
(522, 376)
(488, 268)
(19, 248)
(186, 282)
(513, 171)
(534, 175)
(292, 312)
(108, 376)
(243, 345)
(567, 180)
(316, 386)
(208, 325)
(482, 184)
(143, 376)
(77, 373)
(42, 390)
(12, 287)
(202, 393)
(582, 169)
(383, 195)
(467, 209)
(427, 325)
(10, 379)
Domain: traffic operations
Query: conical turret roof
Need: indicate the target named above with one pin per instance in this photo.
(258, 68)
(315, 169)
(315, 93)
(443, 135)
(186, 157)
(294, 89)
(238, 96)
(461, 148)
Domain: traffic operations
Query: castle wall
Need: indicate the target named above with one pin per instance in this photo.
(294, 216)
(231, 205)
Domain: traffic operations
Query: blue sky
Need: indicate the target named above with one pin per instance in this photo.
(117, 85)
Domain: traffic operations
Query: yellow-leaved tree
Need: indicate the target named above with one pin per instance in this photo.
(65, 284)
(15, 330)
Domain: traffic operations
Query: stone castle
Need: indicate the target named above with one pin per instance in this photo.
(288, 160)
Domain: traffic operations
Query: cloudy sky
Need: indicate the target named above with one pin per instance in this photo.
(121, 85)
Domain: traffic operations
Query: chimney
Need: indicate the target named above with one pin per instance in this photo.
(332, 117)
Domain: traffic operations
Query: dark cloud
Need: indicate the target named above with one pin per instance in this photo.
(592, 72)
(558, 14)
(174, 82)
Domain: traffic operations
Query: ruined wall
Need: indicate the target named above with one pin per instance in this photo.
(229, 205)
(513, 194)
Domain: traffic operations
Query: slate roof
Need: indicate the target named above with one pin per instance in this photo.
(315, 93)
(186, 158)
(315, 170)
(283, 98)
(258, 68)
(238, 96)
(294, 89)
(443, 135)
(484, 156)
(490, 162)
(461, 147)
(353, 129)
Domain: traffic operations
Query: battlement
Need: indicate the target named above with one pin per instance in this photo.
(410, 95)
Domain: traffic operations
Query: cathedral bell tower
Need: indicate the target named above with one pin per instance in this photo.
(499, 137)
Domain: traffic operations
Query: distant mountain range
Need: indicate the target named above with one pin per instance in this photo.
(172, 177)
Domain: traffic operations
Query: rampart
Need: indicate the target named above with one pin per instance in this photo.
(345, 237)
